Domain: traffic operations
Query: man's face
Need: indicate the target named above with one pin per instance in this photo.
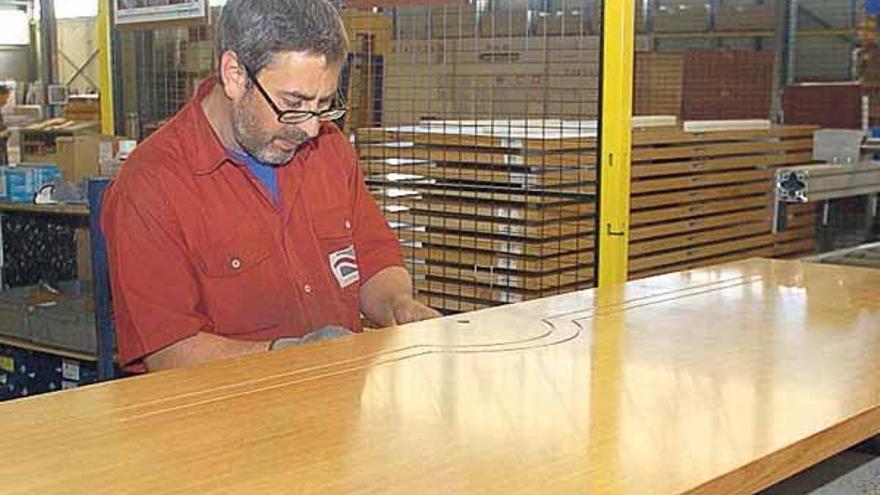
(294, 81)
(4, 99)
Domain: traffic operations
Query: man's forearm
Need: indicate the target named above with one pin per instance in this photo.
(201, 348)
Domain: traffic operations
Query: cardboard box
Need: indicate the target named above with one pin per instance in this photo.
(78, 157)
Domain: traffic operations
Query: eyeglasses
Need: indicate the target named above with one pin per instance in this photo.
(295, 116)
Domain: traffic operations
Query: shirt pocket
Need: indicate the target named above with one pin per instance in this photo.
(242, 286)
(333, 230)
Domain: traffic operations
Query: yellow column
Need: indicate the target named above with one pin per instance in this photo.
(616, 139)
(105, 67)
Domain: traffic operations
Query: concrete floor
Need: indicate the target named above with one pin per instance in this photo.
(852, 472)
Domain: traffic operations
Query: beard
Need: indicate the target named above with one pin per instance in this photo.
(259, 143)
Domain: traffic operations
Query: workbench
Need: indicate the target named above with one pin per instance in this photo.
(717, 380)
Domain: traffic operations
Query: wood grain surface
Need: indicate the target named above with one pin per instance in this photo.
(718, 380)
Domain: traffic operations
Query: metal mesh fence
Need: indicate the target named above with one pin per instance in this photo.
(476, 128)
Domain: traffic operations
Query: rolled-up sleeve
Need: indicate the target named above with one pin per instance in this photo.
(154, 285)
(376, 245)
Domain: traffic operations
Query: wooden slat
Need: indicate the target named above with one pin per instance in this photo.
(498, 226)
(495, 209)
(508, 261)
(510, 176)
(653, 200)
(764, 251)
(643, 137)
(506, 197)
(699, 223)
(503, 278)
(645, 170)
(690, 240)
(719, 149)
(797, 249)
(454, 304)
(493, 295)
(464, 140)
(691, 254)
(700, 180)
(585, 159)
(515, 245)
(696, 210)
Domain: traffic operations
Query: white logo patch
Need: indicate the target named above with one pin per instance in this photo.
(343, 264)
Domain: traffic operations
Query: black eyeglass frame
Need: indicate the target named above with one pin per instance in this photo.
(295, 116)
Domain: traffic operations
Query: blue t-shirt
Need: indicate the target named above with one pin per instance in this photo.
(267, 174)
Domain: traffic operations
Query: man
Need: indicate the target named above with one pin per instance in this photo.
(4, 132)
(244, 224)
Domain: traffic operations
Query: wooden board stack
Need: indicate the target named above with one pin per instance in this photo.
(705, 197)
(491, 212)
(488, 212)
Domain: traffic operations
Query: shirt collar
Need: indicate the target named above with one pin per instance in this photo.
(209, 150)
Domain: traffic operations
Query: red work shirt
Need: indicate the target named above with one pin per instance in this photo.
(196, 244)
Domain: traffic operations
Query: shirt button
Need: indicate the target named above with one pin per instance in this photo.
(235, 263)
(308, 289)
(348, 224)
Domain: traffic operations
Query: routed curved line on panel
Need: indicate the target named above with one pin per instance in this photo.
(559, 329)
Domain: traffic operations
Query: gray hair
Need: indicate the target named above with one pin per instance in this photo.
(258, 29)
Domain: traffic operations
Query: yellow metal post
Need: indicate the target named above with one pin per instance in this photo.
(105, 68)
(616, 139)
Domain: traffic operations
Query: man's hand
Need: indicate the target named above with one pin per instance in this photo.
(408, 310)
(386, 299)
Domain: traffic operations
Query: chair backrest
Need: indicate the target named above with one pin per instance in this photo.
(106, 334)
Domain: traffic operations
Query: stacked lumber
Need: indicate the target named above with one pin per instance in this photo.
(701, 198)
(488, 212)
(492, 212)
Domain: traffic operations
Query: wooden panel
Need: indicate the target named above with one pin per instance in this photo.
(699, 223)
(695, 253)
(463, 291)
(688, 240)
(697, 166)
(765, 251)
(506, 260)
(503, 278)
(498, 209)
(696, 209)
(719, 149)
(625, 390)
(475, 156)
(501, 226)
(697, 196)
(525, 178)
(701, 180)
(501, 244)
